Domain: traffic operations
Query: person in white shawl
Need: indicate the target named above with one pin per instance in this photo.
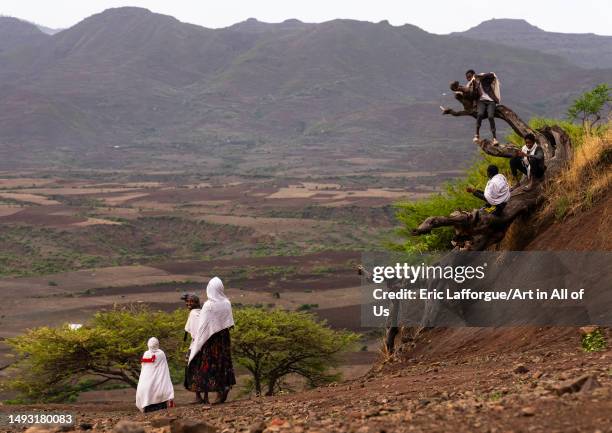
(496, 193)
(192, 302)
(210, 365)
(155, 390)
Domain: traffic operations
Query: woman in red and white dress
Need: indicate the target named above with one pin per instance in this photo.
(155, 390)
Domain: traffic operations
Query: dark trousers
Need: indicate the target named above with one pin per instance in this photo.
(486, 109)
(516, 165)
(499, 208)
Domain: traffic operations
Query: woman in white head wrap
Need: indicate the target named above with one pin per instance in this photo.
(210, 360)
(155, 390)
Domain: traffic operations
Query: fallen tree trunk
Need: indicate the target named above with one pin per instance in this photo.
(479, 230)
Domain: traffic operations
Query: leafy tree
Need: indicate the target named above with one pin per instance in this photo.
(54, 364)
(590, 107)
(273, 345)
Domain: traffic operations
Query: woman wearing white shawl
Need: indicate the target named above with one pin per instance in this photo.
(192, 302)
(155, 390)
(496, 193)
(210, 361)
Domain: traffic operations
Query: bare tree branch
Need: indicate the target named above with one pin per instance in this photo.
(478, 230)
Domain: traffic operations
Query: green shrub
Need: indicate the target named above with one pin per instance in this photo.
(594, 341)
(273, 345)
(307, 307)
(576, 132)
(591, 107)
(55, 364)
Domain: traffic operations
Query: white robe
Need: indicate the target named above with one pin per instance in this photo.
(154, 384)
(191, 327)
(216, 315)
(497, 190)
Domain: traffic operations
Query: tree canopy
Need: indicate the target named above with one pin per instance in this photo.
(55, 364)
(590, 108)
(273, 345)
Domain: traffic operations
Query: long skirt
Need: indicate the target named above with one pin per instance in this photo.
(212, 369)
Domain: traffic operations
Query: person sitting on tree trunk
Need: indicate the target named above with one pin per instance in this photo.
(529, 161)
(486, 89)
(497, 192)
(155, 390)
(192, 302)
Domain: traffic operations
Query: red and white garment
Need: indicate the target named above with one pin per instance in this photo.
(154, 384)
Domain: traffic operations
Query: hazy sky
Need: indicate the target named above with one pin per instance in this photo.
(436, 16)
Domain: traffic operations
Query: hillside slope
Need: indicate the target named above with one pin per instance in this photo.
(587, 231)
(460, 380)
(16, 34)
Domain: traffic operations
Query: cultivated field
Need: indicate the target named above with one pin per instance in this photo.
(75, 243)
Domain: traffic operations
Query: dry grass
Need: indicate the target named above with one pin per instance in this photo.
(587, 178)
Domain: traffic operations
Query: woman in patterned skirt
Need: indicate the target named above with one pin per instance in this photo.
(210, 367)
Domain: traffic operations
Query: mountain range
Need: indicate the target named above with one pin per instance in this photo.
(586, 50)
(129, 77)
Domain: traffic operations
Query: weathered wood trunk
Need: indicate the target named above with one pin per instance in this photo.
(479, 230)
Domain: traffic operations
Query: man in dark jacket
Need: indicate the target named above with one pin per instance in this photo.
(486, 91)
(529, 161)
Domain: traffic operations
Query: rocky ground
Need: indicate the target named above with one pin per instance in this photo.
(546, 385)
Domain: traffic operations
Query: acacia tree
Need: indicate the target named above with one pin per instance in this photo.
(591, 106)
(273, 345)
(54, 364)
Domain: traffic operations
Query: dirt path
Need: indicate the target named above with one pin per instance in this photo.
(472, 391)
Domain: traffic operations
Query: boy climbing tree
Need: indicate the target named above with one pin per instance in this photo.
(485, 87)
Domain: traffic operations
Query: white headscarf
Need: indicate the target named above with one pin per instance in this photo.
(216, 315)
(497, 190)
(154, 384)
